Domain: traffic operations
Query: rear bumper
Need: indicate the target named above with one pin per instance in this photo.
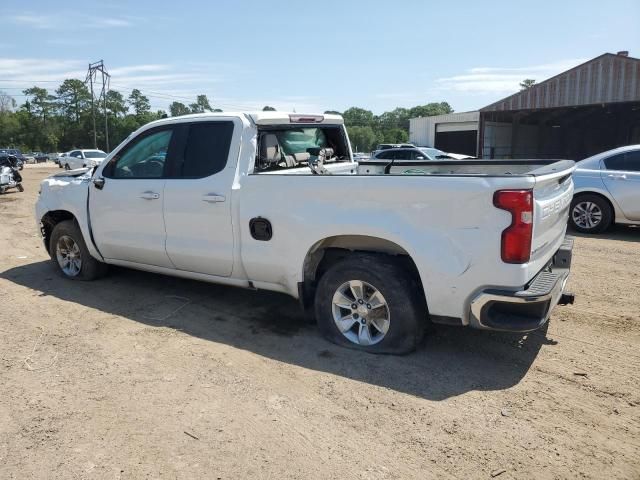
(529, 308)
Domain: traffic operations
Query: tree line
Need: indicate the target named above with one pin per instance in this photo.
(62, 120)
(366, 130)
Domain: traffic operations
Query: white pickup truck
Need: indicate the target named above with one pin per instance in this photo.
(375, 250)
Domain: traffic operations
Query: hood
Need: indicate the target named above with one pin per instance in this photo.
(78, 172)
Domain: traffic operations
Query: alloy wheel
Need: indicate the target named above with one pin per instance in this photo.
(361, 313)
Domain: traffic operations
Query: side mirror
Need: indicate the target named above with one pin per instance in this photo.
(98, 183)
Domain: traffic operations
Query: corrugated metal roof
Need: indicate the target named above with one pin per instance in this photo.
(608, 78)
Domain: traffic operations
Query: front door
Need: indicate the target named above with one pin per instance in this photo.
(126, 212)
(621, 176)
(197, 197)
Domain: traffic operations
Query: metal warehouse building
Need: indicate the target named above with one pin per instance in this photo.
(588, 109)
(453, 132)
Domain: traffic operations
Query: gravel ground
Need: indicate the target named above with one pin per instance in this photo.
(145, 376)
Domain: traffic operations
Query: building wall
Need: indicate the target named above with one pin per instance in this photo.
(422, 130)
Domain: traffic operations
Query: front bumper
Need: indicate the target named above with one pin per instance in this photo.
(529, 308)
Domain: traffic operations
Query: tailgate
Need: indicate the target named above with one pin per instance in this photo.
(552, 196)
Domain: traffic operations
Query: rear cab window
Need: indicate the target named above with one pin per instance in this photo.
(282, 147)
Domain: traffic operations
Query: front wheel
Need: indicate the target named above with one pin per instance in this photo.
(367, 302)
(590, 214)
(20, 188)
(70, 253)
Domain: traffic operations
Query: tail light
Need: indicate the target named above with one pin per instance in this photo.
(516, 238)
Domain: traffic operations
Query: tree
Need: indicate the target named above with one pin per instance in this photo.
(41, 102)
(527, 83)
(139, 103)
(362, 138)
(267, 108)
(202, 105)
(430, 109)
(358, 117)
(116, 104)
(176, 109)
(7, 103)
(73, 98)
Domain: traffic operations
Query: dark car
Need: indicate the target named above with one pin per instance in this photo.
(20, 160)
(40, 157)
(412, 153)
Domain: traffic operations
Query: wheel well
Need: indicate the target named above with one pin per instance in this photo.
(597, 194)
(330, 251)
(50, 220)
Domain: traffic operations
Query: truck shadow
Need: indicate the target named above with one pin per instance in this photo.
(451, 361)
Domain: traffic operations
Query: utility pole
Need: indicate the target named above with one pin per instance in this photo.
(97, 75)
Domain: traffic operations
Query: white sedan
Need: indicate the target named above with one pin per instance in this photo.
(81, 159)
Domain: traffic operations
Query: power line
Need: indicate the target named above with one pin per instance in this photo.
(92, 77)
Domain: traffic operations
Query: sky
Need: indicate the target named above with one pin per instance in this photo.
(310, 55)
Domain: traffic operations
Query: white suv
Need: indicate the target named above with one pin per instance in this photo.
(82, 159)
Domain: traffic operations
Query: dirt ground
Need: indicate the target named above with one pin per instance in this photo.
(145, 376)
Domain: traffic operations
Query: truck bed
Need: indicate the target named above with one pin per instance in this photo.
(463, 167)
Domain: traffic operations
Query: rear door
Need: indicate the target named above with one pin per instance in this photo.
(621, 175)
(126, 213)
(197, 205)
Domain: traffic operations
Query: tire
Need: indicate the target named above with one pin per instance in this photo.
(89, 268)
(67, 167)
(590, 213)
(20, 188)
(403, 305)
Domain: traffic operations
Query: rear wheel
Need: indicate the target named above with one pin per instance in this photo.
(369, 303)
(70, 253)
(67, 167)
(590, 214)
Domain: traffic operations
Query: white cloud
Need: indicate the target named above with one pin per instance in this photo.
(68, 21)
(162, 83)
(502, 79)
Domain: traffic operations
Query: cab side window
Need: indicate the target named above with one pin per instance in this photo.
(144, 158)
(206, 150)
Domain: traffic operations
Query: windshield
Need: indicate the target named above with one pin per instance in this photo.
(300, 139)
(95, 154)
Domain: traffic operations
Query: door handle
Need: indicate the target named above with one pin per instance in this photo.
(617, 176)
(213, 198)
(148, 195)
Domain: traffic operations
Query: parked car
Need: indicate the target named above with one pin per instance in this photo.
(82, 158)
(59, 159)
(607, 190)
(386, 146)
(21, 160)
(40, 157)
(275, 201)
(357, 156)
(415, 153)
